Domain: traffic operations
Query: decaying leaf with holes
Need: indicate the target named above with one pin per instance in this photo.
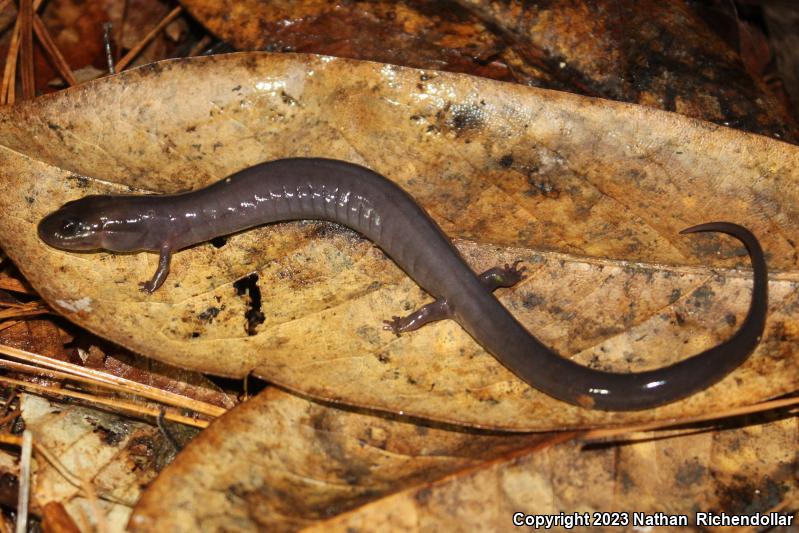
(590, 194)
(77, 446)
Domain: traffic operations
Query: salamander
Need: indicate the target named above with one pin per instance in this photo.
(380, 210)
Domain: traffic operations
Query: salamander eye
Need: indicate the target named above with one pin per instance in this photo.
(70, 226)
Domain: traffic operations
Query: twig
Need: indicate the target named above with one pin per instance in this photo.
(8, 324)
(199, 46)
(20, 305)
(122, 405)
(122, 384)
(7, 88)
(10, 400)
(55, 374)
(24, 481)
(94, 504)
(8, 438)
(13, 313)
(59, 467)
(26, 49)
(739, 411)
(109, 57)
(131, 55)
(26, 311)
(165, 431)
(10, 416)
(52, 50)
(10, 70)
(12, 284)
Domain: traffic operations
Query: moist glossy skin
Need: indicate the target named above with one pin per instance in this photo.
(304, 188)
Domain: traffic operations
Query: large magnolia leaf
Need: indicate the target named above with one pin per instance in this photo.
(516, 172)
(651, 480)
(279, 462)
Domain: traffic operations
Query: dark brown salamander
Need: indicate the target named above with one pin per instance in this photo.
(291, 189)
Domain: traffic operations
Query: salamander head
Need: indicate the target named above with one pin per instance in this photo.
(94, 223)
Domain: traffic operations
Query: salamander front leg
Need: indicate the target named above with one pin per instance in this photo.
(161, 273)
(491, 279)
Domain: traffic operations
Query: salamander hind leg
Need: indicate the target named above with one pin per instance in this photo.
(165, 257)
(432, 312)
(492, 279)
(506, 276)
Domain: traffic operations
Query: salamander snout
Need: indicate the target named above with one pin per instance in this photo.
(68, 230)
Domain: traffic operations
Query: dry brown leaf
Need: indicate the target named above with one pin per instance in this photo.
(418, 33)
(738, 471)
(781, 19)
(41, 336)
(659, 54)
(501, 165)
(117, 456)
(279, 462)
